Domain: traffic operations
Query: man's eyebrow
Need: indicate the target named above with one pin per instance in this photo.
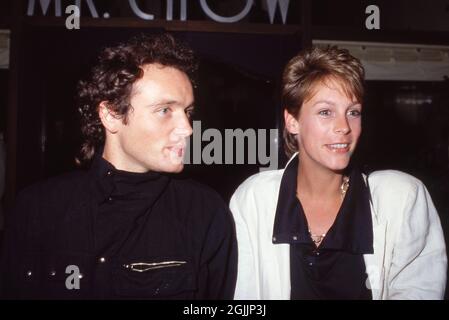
(192, 105)
(170, 103)
(163, 103)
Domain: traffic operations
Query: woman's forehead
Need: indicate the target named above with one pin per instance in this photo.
(332, 83)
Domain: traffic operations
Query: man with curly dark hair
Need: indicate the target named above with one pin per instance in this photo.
(126, 227)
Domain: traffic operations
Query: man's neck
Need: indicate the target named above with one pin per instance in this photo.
(116, 158)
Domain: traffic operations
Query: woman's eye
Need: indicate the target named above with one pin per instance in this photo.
(355, 113)
(324, 112)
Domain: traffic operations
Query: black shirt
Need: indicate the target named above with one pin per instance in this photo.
(336, 269)
(132, 235)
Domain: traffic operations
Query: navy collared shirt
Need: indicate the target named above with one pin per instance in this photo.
(336, 269)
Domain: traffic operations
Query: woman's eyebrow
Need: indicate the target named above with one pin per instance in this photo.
(352, 104)
(324, 101)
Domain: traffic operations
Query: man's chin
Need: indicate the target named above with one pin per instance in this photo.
(174, 168)
(178, 169)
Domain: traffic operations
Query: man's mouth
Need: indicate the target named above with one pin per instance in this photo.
(177, 151)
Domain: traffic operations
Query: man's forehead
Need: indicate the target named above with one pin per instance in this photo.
(162, 97)
(165, 87)
(157, 68)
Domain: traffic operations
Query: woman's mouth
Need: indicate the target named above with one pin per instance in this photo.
(338, 147)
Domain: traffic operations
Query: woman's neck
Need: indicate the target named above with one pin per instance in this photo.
(318, 182)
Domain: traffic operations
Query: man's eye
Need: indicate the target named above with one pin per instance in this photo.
(190, 113)
(163, 111)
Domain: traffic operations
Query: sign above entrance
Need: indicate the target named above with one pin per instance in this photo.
(271, 7)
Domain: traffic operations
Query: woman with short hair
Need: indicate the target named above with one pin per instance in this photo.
(322, 229)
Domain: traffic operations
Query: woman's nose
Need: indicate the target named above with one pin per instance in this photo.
(342, 125)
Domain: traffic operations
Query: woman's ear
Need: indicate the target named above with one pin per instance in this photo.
(291, 123)
(109, 119)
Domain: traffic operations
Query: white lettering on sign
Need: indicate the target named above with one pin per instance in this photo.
(183, 15)
(218, 18)
(135, 8)
(44, 6)
(272, 6)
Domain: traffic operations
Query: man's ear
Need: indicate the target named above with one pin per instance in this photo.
(291, 123)
(109, 119)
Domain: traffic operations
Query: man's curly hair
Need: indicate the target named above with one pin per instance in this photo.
(111, 81)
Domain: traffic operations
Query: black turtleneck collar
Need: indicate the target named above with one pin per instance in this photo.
(112, 183)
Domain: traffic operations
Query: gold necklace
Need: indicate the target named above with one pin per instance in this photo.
(318, 238)
(344, 186)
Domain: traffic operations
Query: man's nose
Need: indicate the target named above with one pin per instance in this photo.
(183, 127)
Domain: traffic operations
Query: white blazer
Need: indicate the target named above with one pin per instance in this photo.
(409, 260)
